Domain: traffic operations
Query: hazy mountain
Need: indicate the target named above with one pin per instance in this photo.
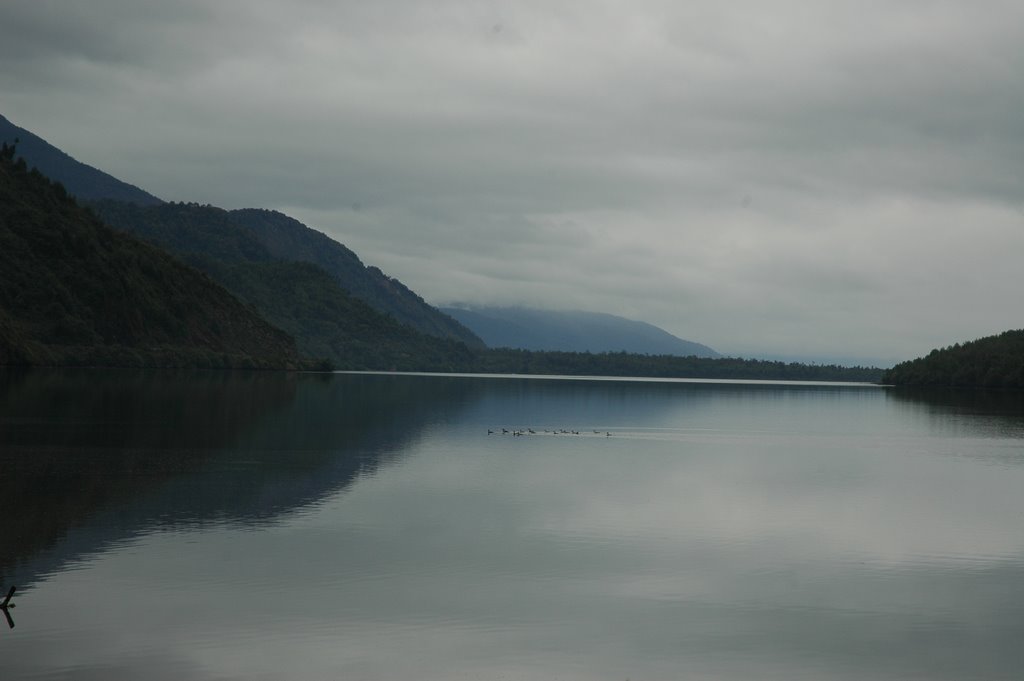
(571, 331)
(81, 180)
(74, 291)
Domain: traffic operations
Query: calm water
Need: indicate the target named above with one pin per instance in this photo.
(262, 526)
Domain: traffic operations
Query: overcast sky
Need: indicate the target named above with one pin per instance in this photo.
(821, 179)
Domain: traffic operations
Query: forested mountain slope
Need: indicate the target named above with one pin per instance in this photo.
(990, 362)
(252, 234)
(328, 323)
(192, 231)
(74, 291)
(300, 297)
(289, 239)
(80, 179)
(202, 233)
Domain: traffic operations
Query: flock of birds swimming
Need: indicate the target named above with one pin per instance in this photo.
(530, 431)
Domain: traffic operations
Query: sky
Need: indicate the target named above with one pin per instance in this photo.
(825, 180)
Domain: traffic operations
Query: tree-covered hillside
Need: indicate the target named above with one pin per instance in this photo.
(253, 235)
(327, 322)
(990, 362)
(192, 231)
(73, 291)
(300, 297)
(201, 233)
(289, 239)
(81, 180)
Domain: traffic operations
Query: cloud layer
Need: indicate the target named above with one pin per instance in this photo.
(826, 179)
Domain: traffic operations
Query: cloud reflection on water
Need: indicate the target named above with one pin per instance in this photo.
(778, 533)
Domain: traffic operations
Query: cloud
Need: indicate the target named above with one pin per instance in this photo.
(737, 174)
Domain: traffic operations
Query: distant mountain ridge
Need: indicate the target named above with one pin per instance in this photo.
(571, 331)
(81, 180)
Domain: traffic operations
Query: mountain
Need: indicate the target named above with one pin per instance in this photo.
(300, 297)
(571, 331)
(69, 302)
(74, 291)
(990, 362)
(251, 234)
(192, 231)
(288, 239)
(81, 180)
(327, 322)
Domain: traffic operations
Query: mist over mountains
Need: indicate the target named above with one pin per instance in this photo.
(571, 331)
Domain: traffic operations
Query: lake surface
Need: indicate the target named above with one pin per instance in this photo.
(239, 526)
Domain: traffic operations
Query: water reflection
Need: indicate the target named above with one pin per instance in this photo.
(977, 412)
(368, 527)
(166, 448)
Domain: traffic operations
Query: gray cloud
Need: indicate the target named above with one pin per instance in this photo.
(823, 179)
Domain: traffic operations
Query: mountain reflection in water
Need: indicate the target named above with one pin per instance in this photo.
(167, 448)
(241, 526)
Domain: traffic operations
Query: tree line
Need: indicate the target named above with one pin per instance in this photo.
(990, 362)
